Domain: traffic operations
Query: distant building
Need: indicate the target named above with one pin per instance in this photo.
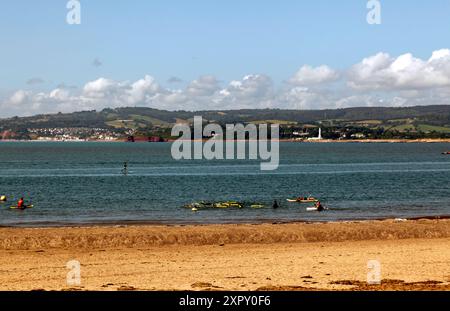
(301, 134)
(358, 135)
(150, 139)
(7, 135)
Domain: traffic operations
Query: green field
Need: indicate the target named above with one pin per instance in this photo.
(128, 124)
(432, 128)
(149, 120)
(425, 128)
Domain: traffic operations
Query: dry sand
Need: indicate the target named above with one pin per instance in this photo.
(414, 255)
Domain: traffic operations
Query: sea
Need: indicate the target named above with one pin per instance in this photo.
(82, 183)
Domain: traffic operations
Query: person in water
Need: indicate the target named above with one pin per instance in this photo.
(21, 203)
(125, 168)
(319, 206)
(275, 204)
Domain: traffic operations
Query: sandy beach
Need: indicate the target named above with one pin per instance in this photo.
(413, 254)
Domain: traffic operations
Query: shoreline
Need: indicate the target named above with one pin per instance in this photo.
(414, 255)
(140, 223)
(313, 141)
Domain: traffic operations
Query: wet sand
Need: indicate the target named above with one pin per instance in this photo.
(414, 255)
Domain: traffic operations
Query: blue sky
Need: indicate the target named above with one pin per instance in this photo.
(189, 39)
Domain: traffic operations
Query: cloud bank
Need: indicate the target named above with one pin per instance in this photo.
(378, 80)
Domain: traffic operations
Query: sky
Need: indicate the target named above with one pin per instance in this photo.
(200, 54)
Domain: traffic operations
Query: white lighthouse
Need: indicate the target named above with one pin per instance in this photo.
(318, 137)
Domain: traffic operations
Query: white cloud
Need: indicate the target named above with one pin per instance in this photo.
(308, 75)
(142, 90)
(19, 97)
(440, 55)
(382, 72)
(252, 91)
(203, 86)
(250, 87)
(100, 88)
(59, 94)
(303, 98)
(376, 80)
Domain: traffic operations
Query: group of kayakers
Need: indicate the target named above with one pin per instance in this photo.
(232, 204)
(275, 205)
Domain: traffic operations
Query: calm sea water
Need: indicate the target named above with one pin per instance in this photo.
(77, 183)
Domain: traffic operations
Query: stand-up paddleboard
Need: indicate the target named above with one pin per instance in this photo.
(315, 209)
(25, 207)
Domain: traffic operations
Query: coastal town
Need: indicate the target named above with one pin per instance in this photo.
(158, 134)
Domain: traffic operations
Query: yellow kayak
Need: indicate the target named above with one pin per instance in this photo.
(257, 206)
(25, 207)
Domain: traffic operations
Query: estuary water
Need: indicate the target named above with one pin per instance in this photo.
(75, 183)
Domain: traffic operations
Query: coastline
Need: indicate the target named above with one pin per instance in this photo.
(414, 255)
(144, 223)
(315, 141)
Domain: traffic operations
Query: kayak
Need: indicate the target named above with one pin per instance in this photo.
(312, 200)
(257, 206)
(198, 205)
(25, 207)
(207, 205)
(228, 204)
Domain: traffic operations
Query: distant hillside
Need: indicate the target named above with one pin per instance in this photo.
(139, 117)
(373, 122)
